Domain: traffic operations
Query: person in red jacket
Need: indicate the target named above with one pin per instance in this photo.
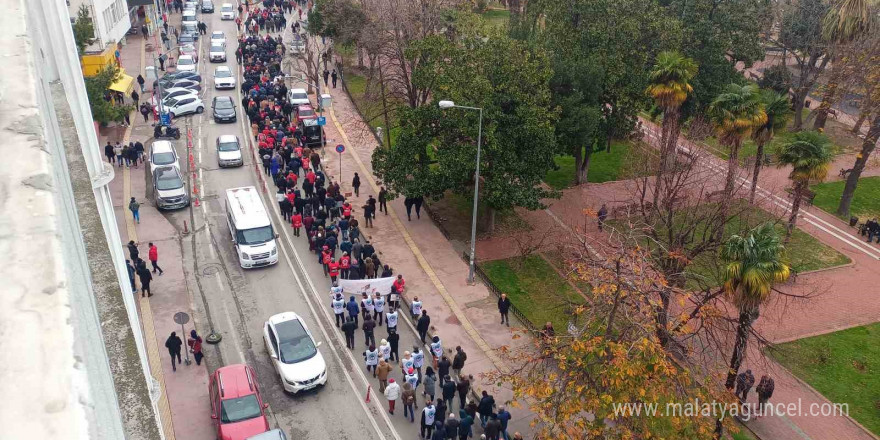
(154, 258)
(310, 176)
(399, 284)
(326, 257)
(344, 265)
(291, 196)
(296, 220)
(346, 211)
(333, 269)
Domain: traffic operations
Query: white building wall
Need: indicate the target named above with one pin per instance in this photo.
(111, 20)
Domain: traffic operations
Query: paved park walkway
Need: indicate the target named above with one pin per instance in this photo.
(841, 300)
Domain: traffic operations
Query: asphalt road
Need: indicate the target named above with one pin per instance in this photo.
(236, 302)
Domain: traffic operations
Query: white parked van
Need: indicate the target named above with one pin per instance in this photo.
(251, 228)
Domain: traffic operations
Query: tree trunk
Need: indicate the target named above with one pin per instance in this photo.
(746, 318)
(583, 168)
(798, 104)
(730, 183)
(665, 131)
(863, 116)
(661, 316)
(853, 180)
(759, 162)
(490, 220)
(360, 56)
(797, 193)
(827, 100)
(672, 143)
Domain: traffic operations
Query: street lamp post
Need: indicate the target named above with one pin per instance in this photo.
(450, 104)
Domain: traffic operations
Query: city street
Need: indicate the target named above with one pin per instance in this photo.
(235, 302)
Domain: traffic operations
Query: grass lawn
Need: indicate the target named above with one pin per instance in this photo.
(454, 210)
(865, 203)
(497, 16)
(604, 167)
(743, 434)
(534, 288)
(370, 106)
(844, 366)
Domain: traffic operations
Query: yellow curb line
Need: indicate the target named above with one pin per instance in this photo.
(153, 356)
(459, 313)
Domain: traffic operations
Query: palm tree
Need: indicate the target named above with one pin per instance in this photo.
(846, 20)
(735, 113)
(755, 262)
(809, 156)
(778, 110)
(670, 86)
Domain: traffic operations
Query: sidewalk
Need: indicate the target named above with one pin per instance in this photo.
(461, 315)
(185, 392)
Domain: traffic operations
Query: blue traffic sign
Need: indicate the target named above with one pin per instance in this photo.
(165, 118)
(340, 148)
(322, 121)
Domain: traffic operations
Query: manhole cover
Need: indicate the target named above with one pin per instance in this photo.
(210, 269)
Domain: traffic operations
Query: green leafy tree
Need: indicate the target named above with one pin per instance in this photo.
(601, 51)
(809, 156)
(755, 263)
(778, 110)
(103, 110)
(717, 35)
(735, 114)
(83, 29)
(800, 36)
(435, 149)
(776, 78)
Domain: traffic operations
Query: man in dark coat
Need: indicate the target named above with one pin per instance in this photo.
(173, 344)
(145, 276)
(503, 308)
(423, 324)
(349, 328)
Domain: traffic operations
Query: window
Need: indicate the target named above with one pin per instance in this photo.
(295, 345)
(256, 235)
(115, 13)
(243, 408)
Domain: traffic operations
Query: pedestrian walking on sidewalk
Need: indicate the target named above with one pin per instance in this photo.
(504, 308)
(765, 392)
(133, 251)
(394, 343)
(144, 31)
(408, 202)
(117, 150)
(356, 184)
(195, 346)
(458, 362)
(368, 215)
(326, 75)
(418, 205)
(173, 344)
(464, 387)
(353, 309)
(135, 97)
(436, 349)
(349, 328)
(378, 309)
(133, 154)
(392, 393)
(466, 423)
(423, 323)
(443, 367)
(154, 258)
(744, 383)
(131, 272)
(408, 397)
(383, 200)
(108, 151)
(145, 277)
(492, 427)
(333, 76)
(601, 216)
(135, 208)
(145, 111)
(429, 383)
(141, 81)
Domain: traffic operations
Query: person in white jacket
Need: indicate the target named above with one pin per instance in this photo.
(392, 393)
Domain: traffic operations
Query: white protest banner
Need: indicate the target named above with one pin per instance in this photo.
(381, 286)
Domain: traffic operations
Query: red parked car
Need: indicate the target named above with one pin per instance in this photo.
(304, 112)
(237, 408)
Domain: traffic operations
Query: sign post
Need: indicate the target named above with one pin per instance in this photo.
(340, 149)
(182, 318)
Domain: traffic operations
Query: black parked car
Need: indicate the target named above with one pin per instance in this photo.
(224, 109)
(207, 6)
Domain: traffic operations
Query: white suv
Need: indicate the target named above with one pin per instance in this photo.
(186, 63)
(223, 78)
(162, 154)
(227, 11)
(183, 105)
(298, 97)
(294, 352)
